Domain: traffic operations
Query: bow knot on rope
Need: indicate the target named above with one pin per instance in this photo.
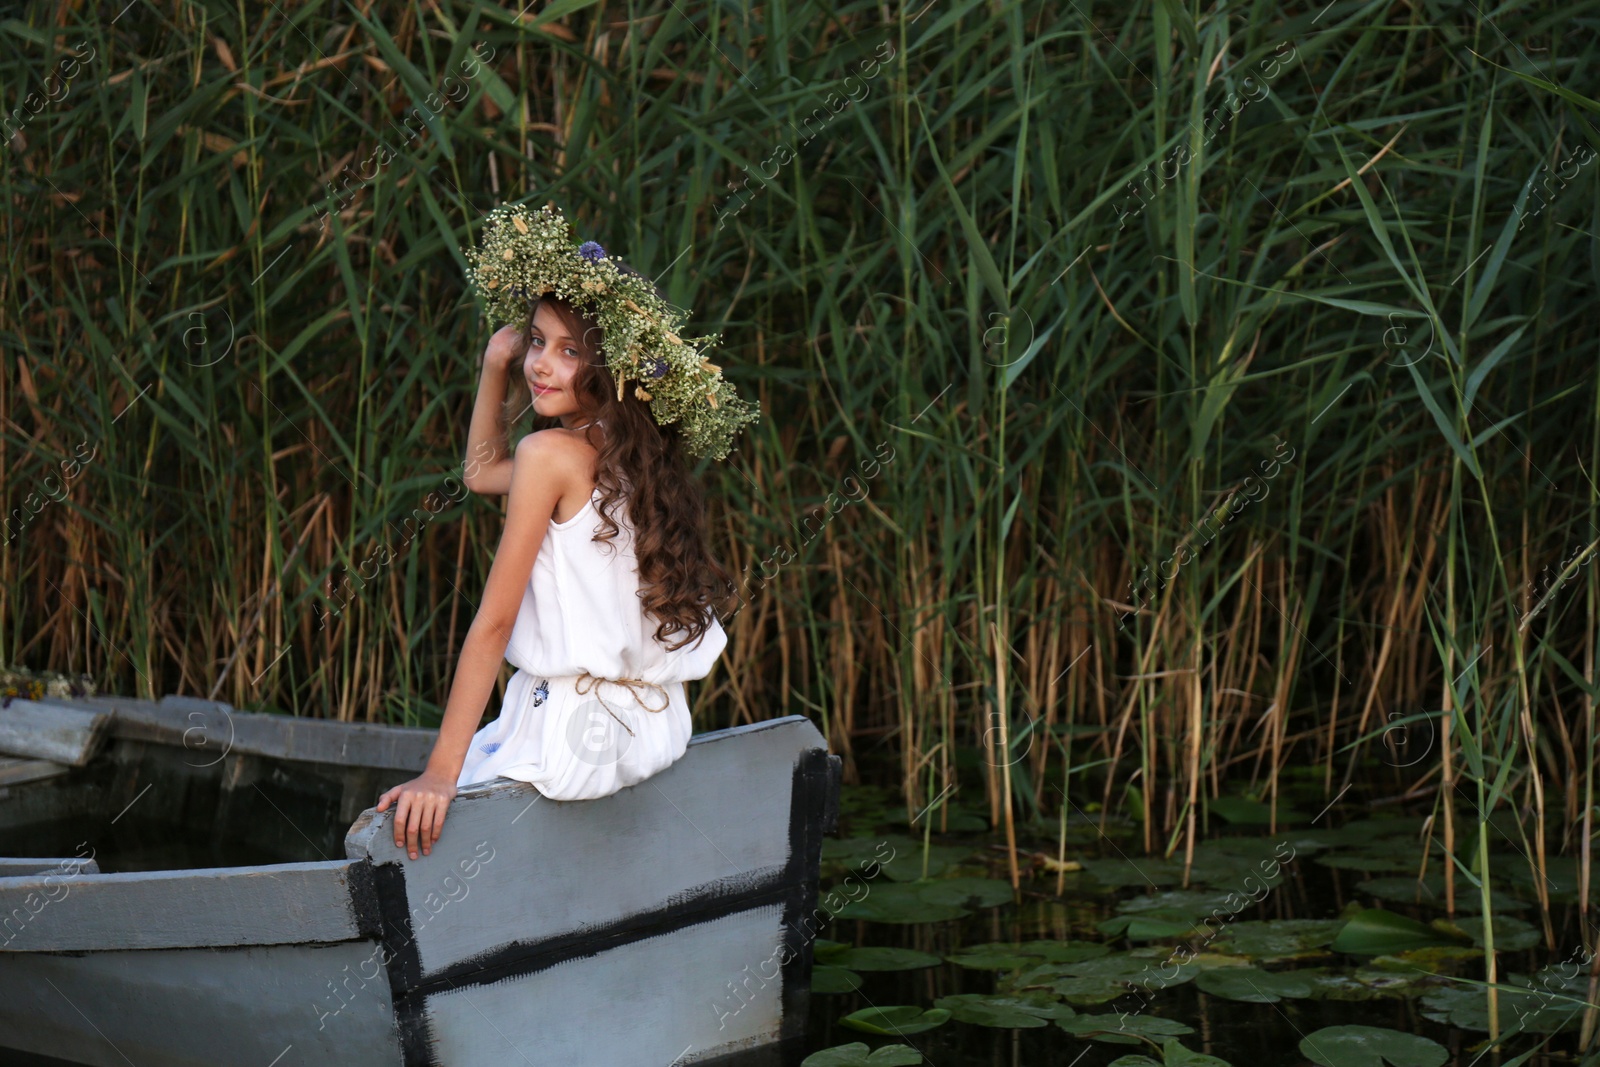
(587, 683)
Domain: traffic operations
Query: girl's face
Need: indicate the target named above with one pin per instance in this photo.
(550, 364)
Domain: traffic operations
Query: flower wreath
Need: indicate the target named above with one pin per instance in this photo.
(523, 255)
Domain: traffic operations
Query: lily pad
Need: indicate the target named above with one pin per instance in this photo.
(966, 892)
(1388, 981)
(1069, 951)
(1252, 985)
(1408, 826)
(1548, 1003)
(898, 856)
(1018, 1012)
(827, 979)
(896, 1020)
(1370, 1046)
(1142, 967)
(856, 1054)
(1360, 984)
(1429, 890)
(924, 901)
(1374, 931)
(1006, 956)
(1246, 812)
(1154, 925)
(906, 866)
(1400, 854)
(1173, 914)
(1089, 991)
(1434, 959)
(1192, 903)
(1176, 1055)
(869, 799)
(1363, 833)
(950, 817)
(861, 858)
(1510, 933)
(884, 959)
(1230, 864)
(897, 903)
(1561, 874)
(1368, 983)
(854, 850)
(994, 956)
(1123, 1029)
(1403, 890)
(1118, 873)
(823, 950)
(1274, 940)
(1102, 980)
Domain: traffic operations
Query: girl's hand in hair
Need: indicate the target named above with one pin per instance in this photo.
(506, 347)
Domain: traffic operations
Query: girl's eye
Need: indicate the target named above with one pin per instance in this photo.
(573, 352)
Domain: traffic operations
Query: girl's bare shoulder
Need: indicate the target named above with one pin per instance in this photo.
(566, 455)
(559, 443)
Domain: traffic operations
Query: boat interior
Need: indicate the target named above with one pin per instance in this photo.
(171, 787)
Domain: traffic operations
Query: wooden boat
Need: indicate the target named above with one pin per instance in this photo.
(173, 892)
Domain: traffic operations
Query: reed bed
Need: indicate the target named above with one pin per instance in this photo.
(1180, 396)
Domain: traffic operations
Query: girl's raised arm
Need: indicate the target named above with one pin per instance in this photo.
(545, 466)
(487, 468)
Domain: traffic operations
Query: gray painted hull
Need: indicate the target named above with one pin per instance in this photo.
(669, 923)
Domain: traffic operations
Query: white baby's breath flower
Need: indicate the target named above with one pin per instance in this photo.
(535, 254)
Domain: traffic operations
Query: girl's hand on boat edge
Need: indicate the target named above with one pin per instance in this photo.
(420, 805)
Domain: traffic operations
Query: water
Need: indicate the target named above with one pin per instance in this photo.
(286, 814)
(1239, 1033)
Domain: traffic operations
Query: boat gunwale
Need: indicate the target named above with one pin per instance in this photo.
(99, 925)
(15, 890)
(378, 746)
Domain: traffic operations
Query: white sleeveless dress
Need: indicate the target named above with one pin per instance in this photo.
(581, 613)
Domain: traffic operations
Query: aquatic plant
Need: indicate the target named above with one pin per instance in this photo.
(1380, 272)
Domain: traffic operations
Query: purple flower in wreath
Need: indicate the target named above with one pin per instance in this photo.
(658, 368)
(591, 251)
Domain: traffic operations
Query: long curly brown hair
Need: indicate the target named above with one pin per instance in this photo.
(643, 465)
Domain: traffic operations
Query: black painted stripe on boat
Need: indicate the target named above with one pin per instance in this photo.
(519, 958)
(811, 807)
(364, 901)
(402, 960)
(793, 886)
(813, 811)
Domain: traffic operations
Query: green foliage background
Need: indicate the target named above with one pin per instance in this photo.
(1002, 374)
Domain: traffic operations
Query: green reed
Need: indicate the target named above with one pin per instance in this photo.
(1022, 249)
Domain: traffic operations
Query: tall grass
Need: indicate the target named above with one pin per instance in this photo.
(1027, 260)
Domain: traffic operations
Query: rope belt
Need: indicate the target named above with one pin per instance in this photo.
(633, 685)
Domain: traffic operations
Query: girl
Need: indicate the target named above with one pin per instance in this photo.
(602, 591)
